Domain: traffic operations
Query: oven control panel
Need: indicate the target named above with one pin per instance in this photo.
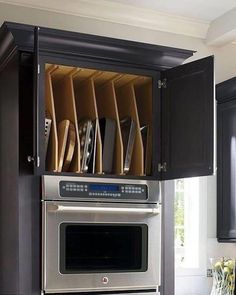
(93, 190)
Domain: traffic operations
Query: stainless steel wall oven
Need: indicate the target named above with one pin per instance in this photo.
(100, 235)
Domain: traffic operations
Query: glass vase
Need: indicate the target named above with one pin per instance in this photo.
(223, 271)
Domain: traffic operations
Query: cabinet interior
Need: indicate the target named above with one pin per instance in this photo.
(73, 95)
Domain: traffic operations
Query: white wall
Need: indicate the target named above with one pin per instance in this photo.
(201, 285)
(225, 60)
(225, 67)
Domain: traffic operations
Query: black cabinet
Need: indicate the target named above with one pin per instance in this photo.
(74, 76)
(226, 161)
(79, 76)
(183, 103)
(187, 116)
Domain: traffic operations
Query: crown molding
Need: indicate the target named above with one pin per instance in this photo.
(222, 30)
(20, 37)
(122, 14)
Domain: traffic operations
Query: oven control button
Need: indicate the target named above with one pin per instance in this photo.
(105, 280)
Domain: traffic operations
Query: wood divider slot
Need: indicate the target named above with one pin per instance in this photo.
(76, 94)
(127, 107)
(124, 79)
(106, 77)
(65, 107)
(84, 74)
(52, 151)
(87, 109)
(107, 108)
(143, 93)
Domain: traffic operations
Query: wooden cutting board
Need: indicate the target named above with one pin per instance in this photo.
(63, 128)
(70, 147)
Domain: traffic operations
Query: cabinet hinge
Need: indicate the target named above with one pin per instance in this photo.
(162, 167)
(162, 83)
(35, 160)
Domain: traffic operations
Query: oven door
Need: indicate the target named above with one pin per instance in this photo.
(100, 247)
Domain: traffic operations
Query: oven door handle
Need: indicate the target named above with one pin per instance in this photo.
(62, 208)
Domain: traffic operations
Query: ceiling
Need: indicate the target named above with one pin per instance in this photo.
(211, 20)
(206, 10)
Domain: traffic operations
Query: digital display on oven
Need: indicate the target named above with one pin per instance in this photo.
(104, 188)
(124, 191)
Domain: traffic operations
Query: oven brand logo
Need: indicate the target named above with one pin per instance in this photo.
(105, 280)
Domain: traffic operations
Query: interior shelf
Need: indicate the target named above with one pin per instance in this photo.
(101, 122)
(52, 149)
(107, 108)
(143, 94)
(127, 108)
(86, 107)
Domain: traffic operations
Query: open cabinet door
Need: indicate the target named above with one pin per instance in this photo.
(188, 120)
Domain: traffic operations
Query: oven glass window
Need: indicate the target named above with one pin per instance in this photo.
(103, 248)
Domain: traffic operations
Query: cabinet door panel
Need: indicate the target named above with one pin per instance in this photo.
(226, 173)
(187, 121)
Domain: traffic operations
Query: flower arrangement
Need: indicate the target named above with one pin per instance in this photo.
(223, 271)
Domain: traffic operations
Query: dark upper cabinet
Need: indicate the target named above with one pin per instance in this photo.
(83, 76)
(187, 114)
(226, 161)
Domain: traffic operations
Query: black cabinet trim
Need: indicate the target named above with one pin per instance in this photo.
(13, 35)
(226, 90)
(226, 240)
(226, 116)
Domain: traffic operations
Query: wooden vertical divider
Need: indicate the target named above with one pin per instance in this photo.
(87, 109)
(143, 92)
(127, 107)
(65, 107)
(62, 132)
(107, 108)
(52, 152)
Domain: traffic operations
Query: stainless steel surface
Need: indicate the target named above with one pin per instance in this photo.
(123, 293)
(121, 210)
(168, 225)
(162, 167)
(50, 189)
(48, 124)
(162, 83)
(55, 282)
